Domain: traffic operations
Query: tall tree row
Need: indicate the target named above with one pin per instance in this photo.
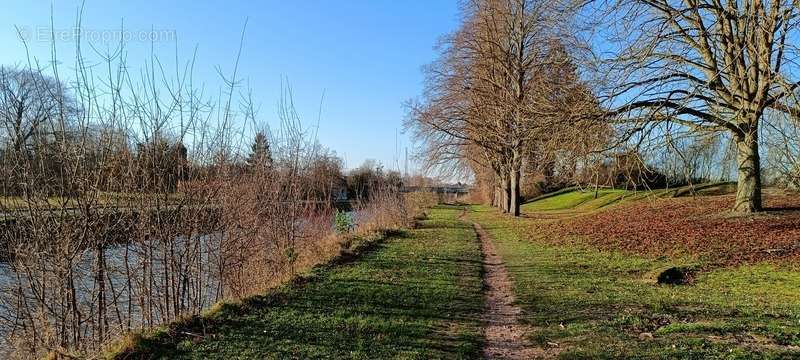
(503, 82)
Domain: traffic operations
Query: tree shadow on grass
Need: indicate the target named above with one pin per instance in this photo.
(338, 316)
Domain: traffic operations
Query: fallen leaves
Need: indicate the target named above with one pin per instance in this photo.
(696, 227)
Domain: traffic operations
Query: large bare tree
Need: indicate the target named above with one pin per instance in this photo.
(30, 103)
(703, 66)
(488, 96)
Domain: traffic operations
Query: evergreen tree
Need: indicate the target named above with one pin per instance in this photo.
(260, 155)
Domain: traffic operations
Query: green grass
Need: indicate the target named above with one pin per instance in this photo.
(579, 200)
(416, 296)
(607, 300)
(572, 201)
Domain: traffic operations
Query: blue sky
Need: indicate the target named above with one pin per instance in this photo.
(366, 56)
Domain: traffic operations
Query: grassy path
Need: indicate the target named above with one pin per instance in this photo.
(417, 296)
(601, 304)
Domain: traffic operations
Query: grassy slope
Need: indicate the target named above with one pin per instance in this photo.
(416, 296)
(577, 202)
(573, 201)
(606, 300)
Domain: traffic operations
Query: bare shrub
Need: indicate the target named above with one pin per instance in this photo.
(134, 203)
(385, 210)
(418, 203)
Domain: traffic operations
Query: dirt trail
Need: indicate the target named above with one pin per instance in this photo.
(506, 337)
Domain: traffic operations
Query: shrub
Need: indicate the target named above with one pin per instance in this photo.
(417, 203)
(343, 222)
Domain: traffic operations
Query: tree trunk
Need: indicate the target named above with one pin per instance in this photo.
(506, 205)
(515, 196)
(748, 187)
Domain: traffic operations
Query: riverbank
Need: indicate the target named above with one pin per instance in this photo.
(416, 294)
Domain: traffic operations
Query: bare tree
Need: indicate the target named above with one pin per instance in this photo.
(502, 83)
(701, 66)
(30, 103)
